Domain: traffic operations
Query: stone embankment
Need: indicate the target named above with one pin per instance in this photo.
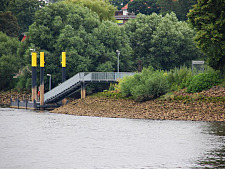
(196, 107)
(205, 106)
(5, 96)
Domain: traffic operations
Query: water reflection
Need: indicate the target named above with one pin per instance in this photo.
(31, 139)
(216, 157)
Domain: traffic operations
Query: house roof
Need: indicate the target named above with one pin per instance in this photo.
(24, 37)
(126, 6)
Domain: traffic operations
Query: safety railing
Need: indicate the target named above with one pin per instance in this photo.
(63, 88)
(103, 76)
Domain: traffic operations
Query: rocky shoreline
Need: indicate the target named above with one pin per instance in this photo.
(6, 95)
(205, 106)
(156, 110)
(195, 109)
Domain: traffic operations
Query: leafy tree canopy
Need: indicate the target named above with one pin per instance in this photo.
(9, 24)
(143, 6)
(24, 10)
(103, 8)
(162, 42)
(89, 43)
(9, 62)
(53, 1)
(208, 18)
(4, 4)
(180, 7)
(119, 3)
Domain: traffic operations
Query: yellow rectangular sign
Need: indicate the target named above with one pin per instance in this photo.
(34, 59)
(63, 59)
(42, 59)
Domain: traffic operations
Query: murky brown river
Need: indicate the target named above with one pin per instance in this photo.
(41, 140)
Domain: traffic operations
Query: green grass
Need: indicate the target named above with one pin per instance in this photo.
(111, 95)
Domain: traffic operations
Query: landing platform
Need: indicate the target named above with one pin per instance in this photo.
(25, 104)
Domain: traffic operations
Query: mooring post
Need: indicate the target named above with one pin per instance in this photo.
(42, 87)
(63, 66)
(63, 72)
(83, 91)
(34, 76)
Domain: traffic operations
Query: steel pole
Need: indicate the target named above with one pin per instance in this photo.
(34, 76)
(42, 88)
(118, 60)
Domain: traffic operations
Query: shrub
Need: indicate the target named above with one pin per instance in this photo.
(126, 84)
(168, 96)
(203, 81)
(147, 85)
(111, 87)
(179, 78)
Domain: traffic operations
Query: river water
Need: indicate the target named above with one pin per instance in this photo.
(38, 140)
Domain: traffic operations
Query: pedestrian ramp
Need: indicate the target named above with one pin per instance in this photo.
(75, 83)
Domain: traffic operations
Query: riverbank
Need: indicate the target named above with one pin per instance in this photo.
(205, 106)
(6, 95)
(208, 105)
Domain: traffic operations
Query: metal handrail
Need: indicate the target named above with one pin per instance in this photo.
(103, 76)
(84, 77)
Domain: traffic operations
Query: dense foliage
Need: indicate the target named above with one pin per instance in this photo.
(4, 4)
(147, 85)
(179, 78)
(119, 3)
(90, 44)
(143, 6)
(150, 83)
(9, 24)
(104, 9)
(179, 7)
(84, 31)
(203, 81)
(9, 62)
(24, 11)
(162, 42)
(208, 18)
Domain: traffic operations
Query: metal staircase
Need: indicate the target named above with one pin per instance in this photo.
(73, 84)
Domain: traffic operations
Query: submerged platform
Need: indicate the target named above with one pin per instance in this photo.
(25, 104)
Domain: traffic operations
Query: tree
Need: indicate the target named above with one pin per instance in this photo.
(180, 7)
(113, 38)
(208, 18)
(119, 3)
(9, 62)
(9, 24)
(52, 1)
(103, 8)
(24, 10)
(162, 42)
(3, 5)
(89, 43)
(167, 6)
(143, 6)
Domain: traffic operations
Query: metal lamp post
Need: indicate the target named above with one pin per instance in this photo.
(118, 60)
(50, 80)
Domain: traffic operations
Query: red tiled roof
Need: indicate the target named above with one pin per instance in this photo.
(126, 6)
(24, 37)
